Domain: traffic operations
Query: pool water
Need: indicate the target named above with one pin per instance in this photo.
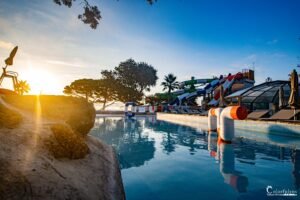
(160, 160)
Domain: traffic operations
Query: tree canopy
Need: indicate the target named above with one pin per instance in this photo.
(22, 87)
(139, 76)
(82, 88)
(127, 82)
(91, 14)
(170, 84)
(159, 98)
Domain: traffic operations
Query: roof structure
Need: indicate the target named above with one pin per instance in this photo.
(260, 96)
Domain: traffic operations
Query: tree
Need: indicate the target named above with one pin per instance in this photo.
(94, 90)
(106, 90)
(146, 76)
(91, 14)
(158, 98)
(82, 88)
(192, 85)
(22, 87)
(127, 82)
(268, 79)
(133, 79)
(170, 84)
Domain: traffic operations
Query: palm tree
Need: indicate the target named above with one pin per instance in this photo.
(170, 84)
(22, 87)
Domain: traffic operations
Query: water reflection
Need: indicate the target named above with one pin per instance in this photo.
(225, 156)
(296, 167)
(139, 141)
(227, 168)
(176, 135)
(134, 147)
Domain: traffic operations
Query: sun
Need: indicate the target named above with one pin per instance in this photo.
(41, 81)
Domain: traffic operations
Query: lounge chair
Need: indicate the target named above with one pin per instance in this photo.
(182, 111)
(172, 110)
(285, 114)
(204, 113)
(191, 111)
(257, 114)
(195, 111)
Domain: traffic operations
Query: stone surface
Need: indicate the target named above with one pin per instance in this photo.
(28, 171)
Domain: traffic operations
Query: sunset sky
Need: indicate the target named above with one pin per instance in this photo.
(200, 38)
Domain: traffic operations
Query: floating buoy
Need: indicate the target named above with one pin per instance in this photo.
(228, 115)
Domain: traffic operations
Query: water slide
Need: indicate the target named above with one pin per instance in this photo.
(210, 84)
(190, 82)
(196, 81)
(226, 86)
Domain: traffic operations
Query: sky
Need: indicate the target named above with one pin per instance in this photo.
(200, 38)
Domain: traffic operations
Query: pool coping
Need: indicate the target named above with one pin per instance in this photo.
(252, 129)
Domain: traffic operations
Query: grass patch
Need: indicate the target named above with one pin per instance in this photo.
(9, 118)
(64, 143)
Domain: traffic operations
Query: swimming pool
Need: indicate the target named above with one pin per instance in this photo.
(161, 160)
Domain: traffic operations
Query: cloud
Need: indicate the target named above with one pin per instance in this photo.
(278, 55)
(6, 45)
(251, 58)
(272, 42)
(59, 62)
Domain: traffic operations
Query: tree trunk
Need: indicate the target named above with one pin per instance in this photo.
(142, 89)
(169, 94)
(104, 104)
(87, 97)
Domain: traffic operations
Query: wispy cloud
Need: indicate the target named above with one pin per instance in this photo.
(251, 58)
(6, 45)
(272, 42)
(59, 62)
(245, 62)
(278, 55)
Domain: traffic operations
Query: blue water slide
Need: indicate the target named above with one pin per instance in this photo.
(199, 92)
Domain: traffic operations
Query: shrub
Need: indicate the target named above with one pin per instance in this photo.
(64, 143)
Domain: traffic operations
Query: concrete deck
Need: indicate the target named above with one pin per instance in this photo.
(282, 133)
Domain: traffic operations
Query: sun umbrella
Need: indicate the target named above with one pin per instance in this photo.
(294, 96)
(281, 97)
(10, 59)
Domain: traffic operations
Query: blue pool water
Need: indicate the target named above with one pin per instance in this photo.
(160, 160)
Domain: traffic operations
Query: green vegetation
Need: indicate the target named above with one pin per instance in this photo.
(9, 118)
(127, 82)
(170, 84)
(22, 87)
(159, 98)
(65, 143)
(91, 15)
(76, 112)
(83, 88)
